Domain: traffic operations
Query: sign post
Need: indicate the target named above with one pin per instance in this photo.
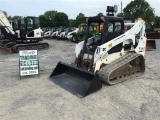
(28, 62)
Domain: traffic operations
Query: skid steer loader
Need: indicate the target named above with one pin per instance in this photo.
(112, 56)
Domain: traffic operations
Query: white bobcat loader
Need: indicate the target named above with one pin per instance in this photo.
(112, 56)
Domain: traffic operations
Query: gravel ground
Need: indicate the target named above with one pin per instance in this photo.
(34, 98)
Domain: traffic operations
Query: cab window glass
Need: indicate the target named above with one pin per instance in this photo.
(37, 22)
(118, 27)
(16, 24)
(110, 27)
(82, 28)
(90, 28)
(29, 23)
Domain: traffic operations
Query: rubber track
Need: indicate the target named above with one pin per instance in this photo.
(31, 45)
(107, 70)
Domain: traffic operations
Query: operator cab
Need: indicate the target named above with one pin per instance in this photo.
(109, 28)
(25, 26)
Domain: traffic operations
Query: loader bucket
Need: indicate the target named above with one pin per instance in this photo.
(151, 44)
(76, 80)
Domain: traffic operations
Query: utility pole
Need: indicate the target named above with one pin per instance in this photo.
(121, 6)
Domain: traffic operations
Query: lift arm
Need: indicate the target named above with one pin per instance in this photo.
(4, 22)
(129, 37)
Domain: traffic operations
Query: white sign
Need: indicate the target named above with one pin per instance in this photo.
(28, 62)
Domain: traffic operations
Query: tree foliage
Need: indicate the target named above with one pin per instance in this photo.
(80, 19)
(61, 19)
(72, 22)
(157, 22)
(53, 19)
(120, 15)
(16, 17)
(49, 17)
(100, 14)
(42, 20)
(139, 9)
(56, 19)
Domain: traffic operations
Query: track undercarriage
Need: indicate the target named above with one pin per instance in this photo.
(12, 47)
(128, 66)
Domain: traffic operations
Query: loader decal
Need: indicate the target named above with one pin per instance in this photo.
(110, 45)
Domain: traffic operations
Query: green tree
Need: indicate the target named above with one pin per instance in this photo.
(120, 15)
(100, 14)
(14, 17)
(42, 20)
(50, 18)
(157, 22)
(80, 19)
(72, 23)
(61, 19)
(139, 9)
